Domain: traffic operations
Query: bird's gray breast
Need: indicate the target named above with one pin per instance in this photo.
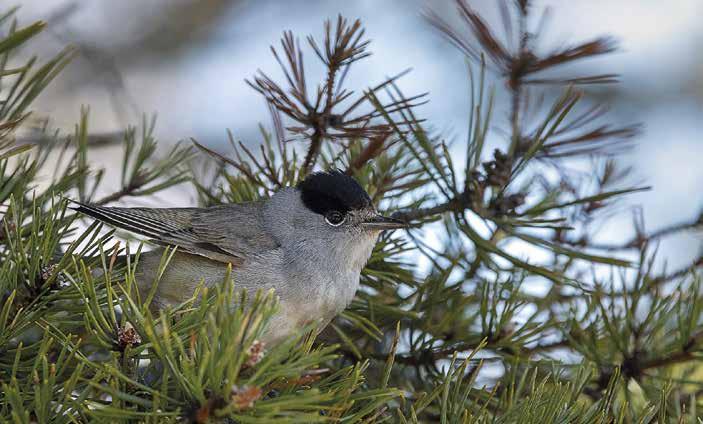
(319, 287)
(309, 291)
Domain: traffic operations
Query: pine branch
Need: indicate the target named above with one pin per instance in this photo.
(79, 340)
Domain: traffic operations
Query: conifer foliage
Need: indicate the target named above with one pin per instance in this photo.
(467, 328)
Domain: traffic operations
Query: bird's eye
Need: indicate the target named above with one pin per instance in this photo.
(334, 218)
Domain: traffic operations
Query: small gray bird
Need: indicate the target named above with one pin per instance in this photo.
(308, 243)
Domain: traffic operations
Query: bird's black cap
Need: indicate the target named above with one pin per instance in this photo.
(332, 191)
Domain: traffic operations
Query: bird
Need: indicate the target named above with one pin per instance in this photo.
(308, 242)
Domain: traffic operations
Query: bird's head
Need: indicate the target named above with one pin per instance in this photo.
(342, 204)
(331, 210)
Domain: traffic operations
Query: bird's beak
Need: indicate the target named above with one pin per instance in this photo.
(379, 222)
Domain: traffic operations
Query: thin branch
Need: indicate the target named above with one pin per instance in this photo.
(453, 205)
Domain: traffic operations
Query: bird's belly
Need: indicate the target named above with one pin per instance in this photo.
(312, 307)
(328, 296)
(304, 298)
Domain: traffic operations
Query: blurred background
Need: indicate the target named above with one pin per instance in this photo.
(186, 61)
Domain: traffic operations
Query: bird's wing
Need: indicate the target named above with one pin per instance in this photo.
(227, 233)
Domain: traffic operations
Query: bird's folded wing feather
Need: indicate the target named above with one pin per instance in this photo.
(227, 233)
